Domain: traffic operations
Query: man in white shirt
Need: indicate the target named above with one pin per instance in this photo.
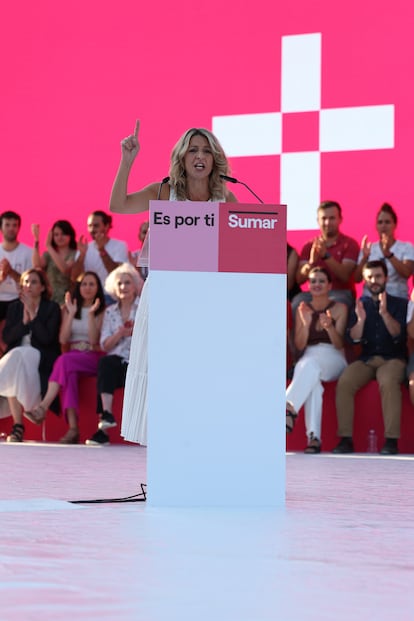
(103, 254)
(15, 258)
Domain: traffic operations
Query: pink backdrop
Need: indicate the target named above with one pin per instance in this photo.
(75, 76)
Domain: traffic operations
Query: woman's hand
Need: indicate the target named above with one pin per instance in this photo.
(386, 242)
(325, 319)
(70, 305)
(49, 239)
(94, 306)
(130, 146)
(305, 314)
(29, 307)
(35, 232)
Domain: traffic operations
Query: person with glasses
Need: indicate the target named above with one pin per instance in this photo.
(319, 336)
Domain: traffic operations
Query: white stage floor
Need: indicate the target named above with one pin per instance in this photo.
(342, 549)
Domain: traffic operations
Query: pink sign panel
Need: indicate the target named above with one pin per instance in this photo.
(213, 237)
(184, 236)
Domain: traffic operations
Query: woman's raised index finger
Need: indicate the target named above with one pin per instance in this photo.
(136, 130)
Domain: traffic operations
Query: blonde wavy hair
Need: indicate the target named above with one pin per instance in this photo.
(220, 166)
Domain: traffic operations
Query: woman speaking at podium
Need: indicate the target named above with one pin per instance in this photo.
(196, 163)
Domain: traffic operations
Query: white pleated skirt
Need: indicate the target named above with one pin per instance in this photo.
(19, 377)
(134, 411)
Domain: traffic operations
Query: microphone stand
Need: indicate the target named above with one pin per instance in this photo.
(234, 180)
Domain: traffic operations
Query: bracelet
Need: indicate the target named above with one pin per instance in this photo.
(36, 244)
(389, 256)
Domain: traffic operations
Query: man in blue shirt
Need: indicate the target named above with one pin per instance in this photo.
(379, 325)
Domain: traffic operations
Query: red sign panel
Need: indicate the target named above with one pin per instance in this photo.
(252, 238)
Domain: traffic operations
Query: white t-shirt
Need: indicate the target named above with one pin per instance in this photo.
(117, 250)
(20, 259)
(396, 284)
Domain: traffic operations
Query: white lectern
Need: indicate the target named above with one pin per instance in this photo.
(217, 351)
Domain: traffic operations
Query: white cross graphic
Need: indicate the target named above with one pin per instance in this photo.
(340, 129)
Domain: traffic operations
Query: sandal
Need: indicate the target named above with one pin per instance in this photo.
(37, 416)
(314, 446)
(70, 437)
(293, 416)
(16, 433)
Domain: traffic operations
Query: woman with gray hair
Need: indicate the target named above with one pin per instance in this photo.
(122, 284)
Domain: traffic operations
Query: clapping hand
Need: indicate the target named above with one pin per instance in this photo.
(95, 306)
(325, 320)
(49, 239)
(127, 328)
(305, 314)
(386, 242)
(29, 307)
(4, 269)
(100, 240)
(360, 311)
(318, 250)
(70, 305)
(36, 232)
(382, 303)
(365, 247)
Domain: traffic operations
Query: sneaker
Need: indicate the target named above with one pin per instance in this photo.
(345, 446)
(107, 421)
(390, 447)
(99, 437)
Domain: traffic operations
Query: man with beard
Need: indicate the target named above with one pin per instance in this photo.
(379, 326)
(103, 254)
(332, 250)
(15, 258)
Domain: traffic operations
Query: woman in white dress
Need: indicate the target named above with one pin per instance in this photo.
(197, 161)
(31, 333)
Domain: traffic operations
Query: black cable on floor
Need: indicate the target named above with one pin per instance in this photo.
(140, 497)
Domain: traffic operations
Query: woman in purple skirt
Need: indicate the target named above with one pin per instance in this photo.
(80, 333)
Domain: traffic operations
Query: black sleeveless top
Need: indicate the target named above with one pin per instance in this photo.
(319, 336)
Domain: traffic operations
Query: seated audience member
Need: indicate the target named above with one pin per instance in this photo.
(334, 251)
(398, 255)
(410, 330)
(103, 254)
(292, 266)
(319, 331)
(15, 258)
(80, 332)
(379, 325)
(32, 337)
(59, 257)
(118, 322)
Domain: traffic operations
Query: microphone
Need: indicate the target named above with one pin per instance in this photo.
(163, 182)
(234, 180)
